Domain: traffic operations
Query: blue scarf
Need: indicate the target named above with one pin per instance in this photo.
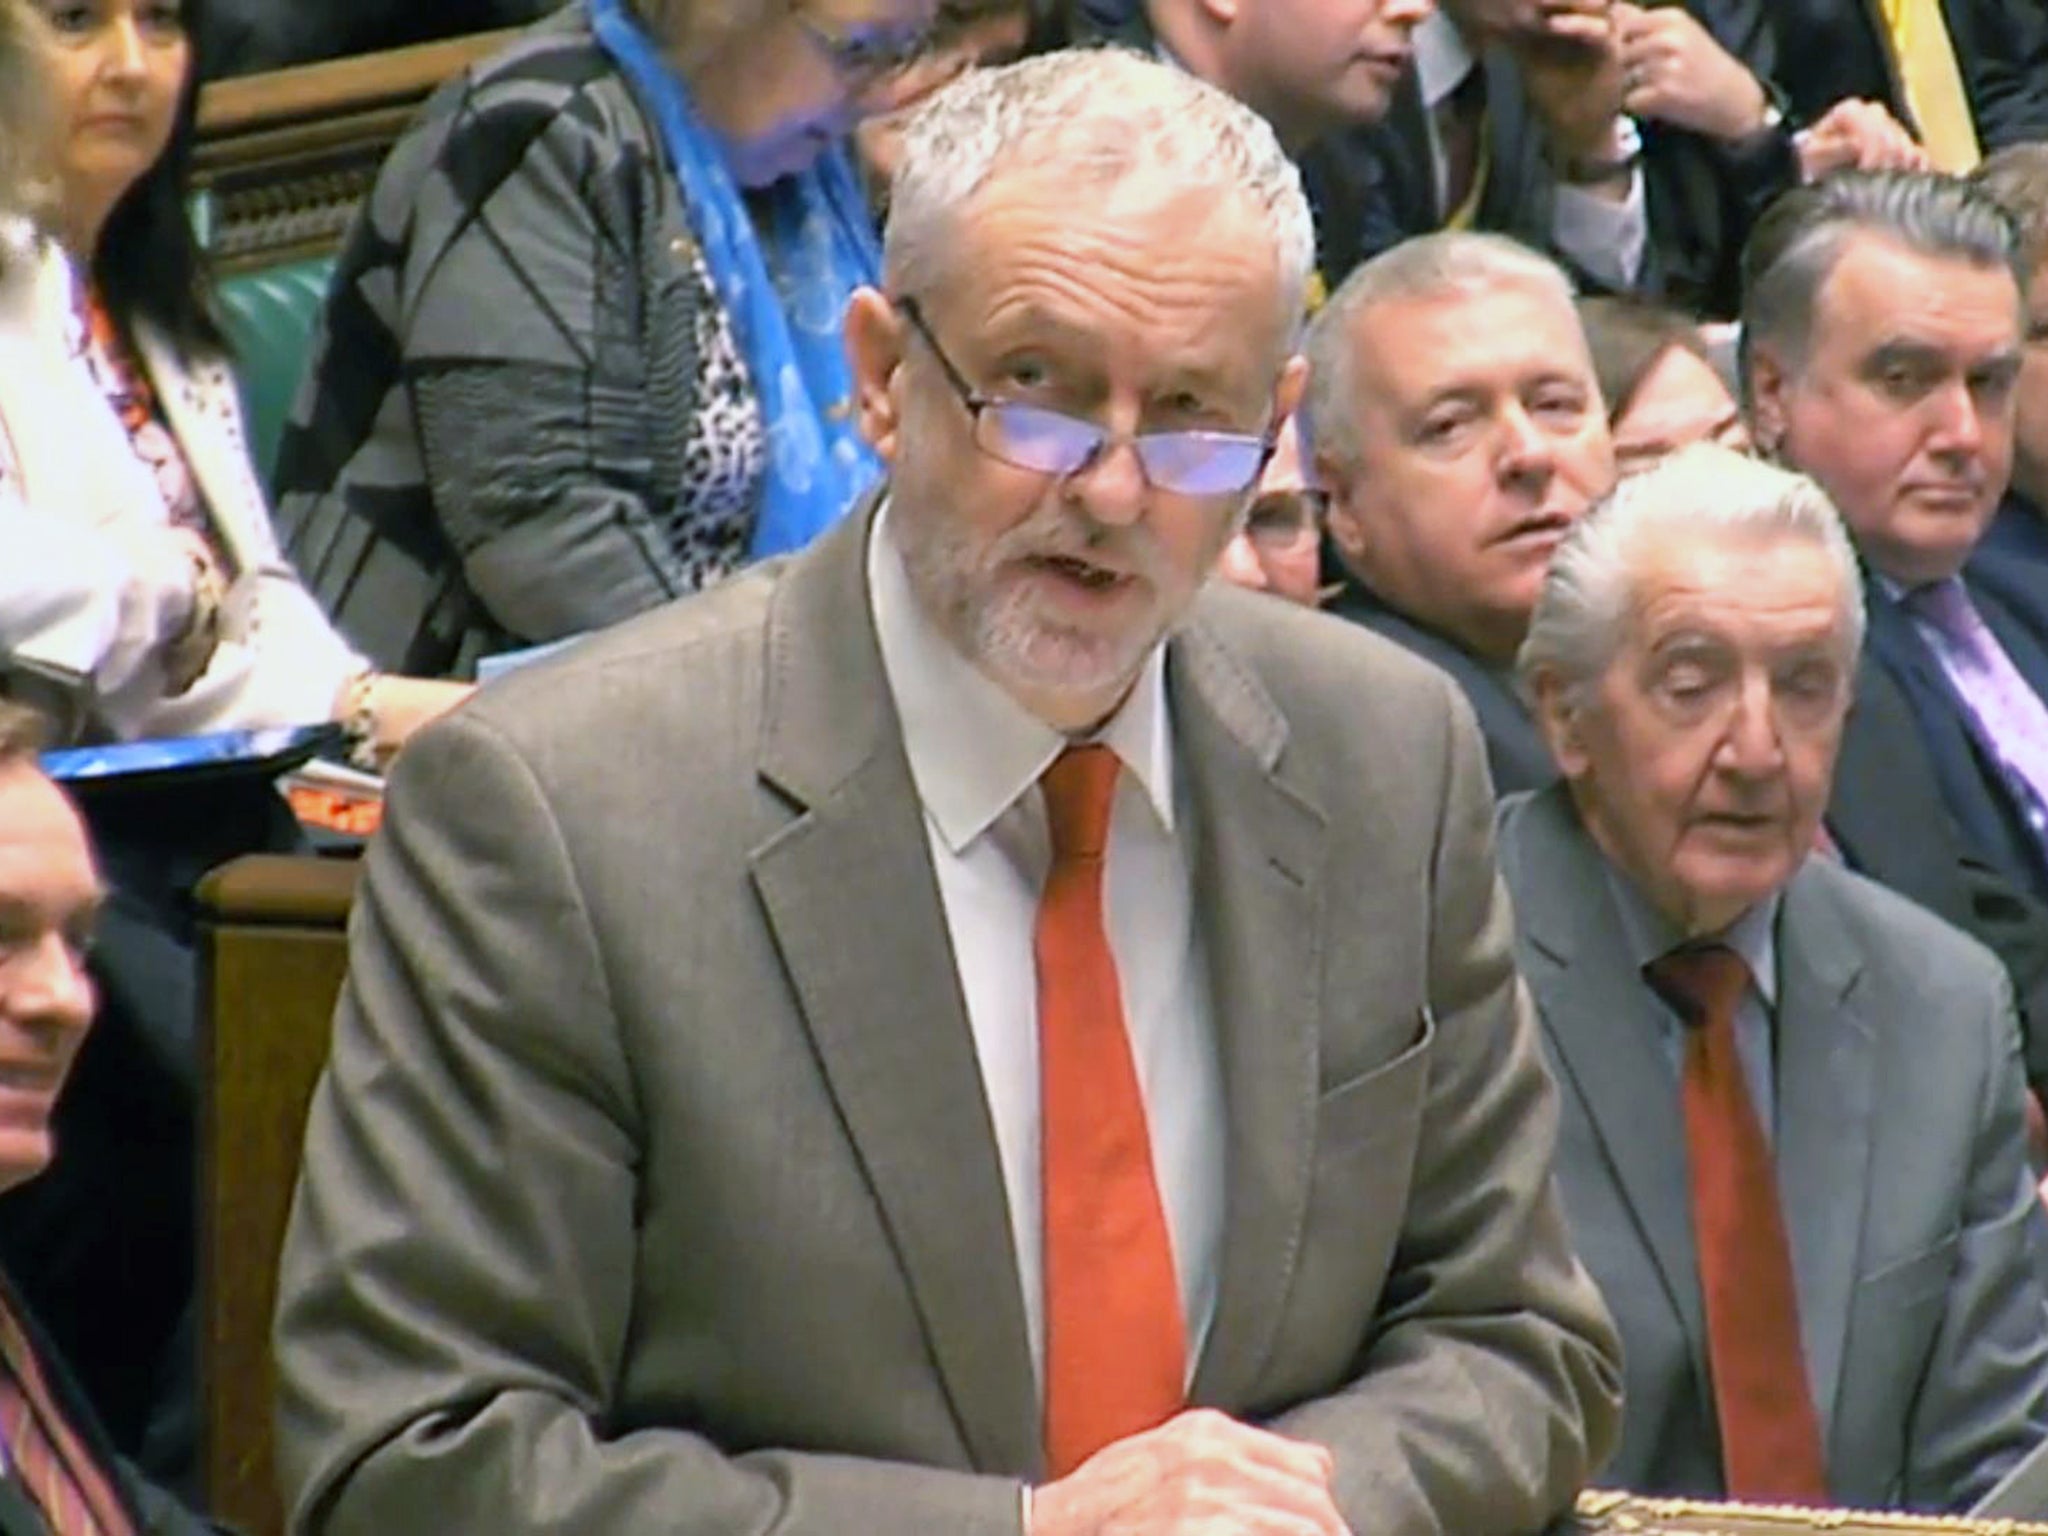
(784, 277)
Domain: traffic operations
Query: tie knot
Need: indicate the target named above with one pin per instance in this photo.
(1079, 787)
(1946, 605)
(1704, 982)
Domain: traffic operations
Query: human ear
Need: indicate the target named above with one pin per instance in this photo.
(874, 349)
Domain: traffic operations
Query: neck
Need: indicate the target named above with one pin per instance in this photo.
(1200, 45)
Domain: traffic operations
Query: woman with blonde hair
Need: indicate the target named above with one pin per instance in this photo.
(582, 353)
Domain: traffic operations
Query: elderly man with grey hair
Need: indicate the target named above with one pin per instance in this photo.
(1793, 1134)
(971, 1029)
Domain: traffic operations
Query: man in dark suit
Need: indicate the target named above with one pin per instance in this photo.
(1458, 431)
(1882, 350)
(1322, 74)
(1794, 1149)
(58, 1475)
(932, 1036)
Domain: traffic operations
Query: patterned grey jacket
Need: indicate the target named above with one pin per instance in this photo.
(524, 415)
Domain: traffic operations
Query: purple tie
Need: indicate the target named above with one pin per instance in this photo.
(2008, 719)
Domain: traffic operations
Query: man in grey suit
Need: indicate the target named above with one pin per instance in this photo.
(698, 1148)
(1793, 1148)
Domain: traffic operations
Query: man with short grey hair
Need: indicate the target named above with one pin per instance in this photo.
(1458, 431)
(1793, 1151)
(1881, 354)
(968, 1030)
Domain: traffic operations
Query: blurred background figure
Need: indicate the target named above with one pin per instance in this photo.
(1658, 379)
(966, 34)
(2017, 177)
(581, 351)
(1279, 547)
(142, 594)
(58, 1458)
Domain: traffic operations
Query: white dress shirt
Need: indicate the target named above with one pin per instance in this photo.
(1607, 239)
(976, 756)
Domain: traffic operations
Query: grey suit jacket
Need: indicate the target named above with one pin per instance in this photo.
(651, 1186)
(1901, 1166)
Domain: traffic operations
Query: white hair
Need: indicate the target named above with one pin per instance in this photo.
(1449, 264)
(1589, 596)
(1100, 115)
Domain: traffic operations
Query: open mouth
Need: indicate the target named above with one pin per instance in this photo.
(1084, 574)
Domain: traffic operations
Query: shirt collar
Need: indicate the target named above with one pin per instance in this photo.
(974, 751)
(1442, 59)
(1650, 935)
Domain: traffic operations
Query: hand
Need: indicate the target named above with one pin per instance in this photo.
(1570, 58)
(1859, 135)
(1199, 1474)
(388, 709)
(1674, 71)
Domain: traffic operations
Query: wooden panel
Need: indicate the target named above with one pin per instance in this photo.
(274, 955)
(286, 156)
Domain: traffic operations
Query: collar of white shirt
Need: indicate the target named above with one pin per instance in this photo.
(974, 751)
(1442, 59)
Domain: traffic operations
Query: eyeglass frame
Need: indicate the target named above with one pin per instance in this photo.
(845, 53)
(978, 405)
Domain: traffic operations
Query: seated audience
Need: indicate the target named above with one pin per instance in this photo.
(581, 352)
(62, 1478)
(142, 594)
(1279, 547)
(2008, 559)
(1967, 75)
(1511, 121)
(1658, 379)
(1794, 1145)
(777, 1172)
(157, 603)
(1460, 431)
(1882, 346)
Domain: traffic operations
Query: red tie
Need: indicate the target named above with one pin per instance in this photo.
(54, 1466)
(1770, 1436)
(1115, 1354)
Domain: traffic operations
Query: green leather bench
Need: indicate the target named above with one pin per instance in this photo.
(269, 314)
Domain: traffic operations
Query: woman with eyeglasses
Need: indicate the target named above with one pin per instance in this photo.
(582, 351)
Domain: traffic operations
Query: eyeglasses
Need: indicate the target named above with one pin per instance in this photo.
(866, 57)
(1189, 463)
(1286, 519)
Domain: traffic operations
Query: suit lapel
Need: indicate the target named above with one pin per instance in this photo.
(881, 997)
(1826, 1056)
(1258, 879)
(1605, 1023)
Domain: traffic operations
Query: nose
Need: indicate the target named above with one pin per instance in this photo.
(1527, 455)
(1411, 12)
(1111, 487)
(45, 984)
(1751, 745)
(1240, 563)
(122, 54)
(1959, 429)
